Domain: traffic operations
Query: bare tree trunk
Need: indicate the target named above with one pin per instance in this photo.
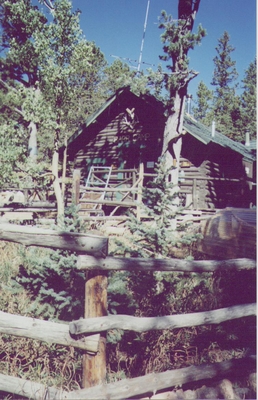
(57, 187)
(172, 142)
(172, 145)
(32, 146)
(64, 167)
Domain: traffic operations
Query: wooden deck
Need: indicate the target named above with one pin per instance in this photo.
(121, 192)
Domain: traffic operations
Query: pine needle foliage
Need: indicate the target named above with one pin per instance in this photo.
(51, 279)
(53, 283)
(154, 235)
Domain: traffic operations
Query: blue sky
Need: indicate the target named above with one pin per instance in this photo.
(116, 26)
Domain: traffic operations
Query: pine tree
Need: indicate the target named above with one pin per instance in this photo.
(154, 236)
(50, 277)
(47, 64)
(203, 110)
(226, 108)
(249, 101)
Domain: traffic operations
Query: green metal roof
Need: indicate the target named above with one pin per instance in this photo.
(203, 133)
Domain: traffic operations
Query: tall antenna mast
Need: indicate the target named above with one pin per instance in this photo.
(143, 37)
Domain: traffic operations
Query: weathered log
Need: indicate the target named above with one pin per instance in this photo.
(103, 218)
(151, 383)
(148, 384)
(17, 216)
(46, 331)
(32, 390)
(31, 236)
(111, 202)
(111, 189)
(152, 264)
(142, 324)
(42, 204)
(29, 209)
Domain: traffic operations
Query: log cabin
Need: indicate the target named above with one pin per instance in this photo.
(221, 172)
(126, 132)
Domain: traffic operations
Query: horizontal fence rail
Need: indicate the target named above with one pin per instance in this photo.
(153, 264)
(145, 385)
(143, 324)
(78, 242)
(46, 331)
(151, 383)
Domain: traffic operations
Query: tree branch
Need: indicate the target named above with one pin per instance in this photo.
(14, 109)
(4, 84)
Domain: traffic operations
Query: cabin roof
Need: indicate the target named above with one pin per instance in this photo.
(94, 116)
(151, 100)
(193, 127)
(203, 134)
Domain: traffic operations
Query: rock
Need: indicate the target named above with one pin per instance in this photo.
(206, 392)
(178, 395)
(242, 393)
(190, 395)
(172, 395)
(252, 381)
(226, 389)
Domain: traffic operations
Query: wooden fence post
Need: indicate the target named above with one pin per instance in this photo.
(94, 366)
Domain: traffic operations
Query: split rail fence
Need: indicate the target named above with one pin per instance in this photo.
(88, 334)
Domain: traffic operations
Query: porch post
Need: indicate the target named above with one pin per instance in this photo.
(139, 193)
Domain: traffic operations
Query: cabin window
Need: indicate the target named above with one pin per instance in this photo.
(248, 168)
(150, 164)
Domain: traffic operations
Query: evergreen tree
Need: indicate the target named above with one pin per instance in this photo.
(249, 100)
(156, 238)
(226, 108)
(117, 75)
(203, 111)
(12, 150)
(45, 68)
(153, 236)
(50, 277)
